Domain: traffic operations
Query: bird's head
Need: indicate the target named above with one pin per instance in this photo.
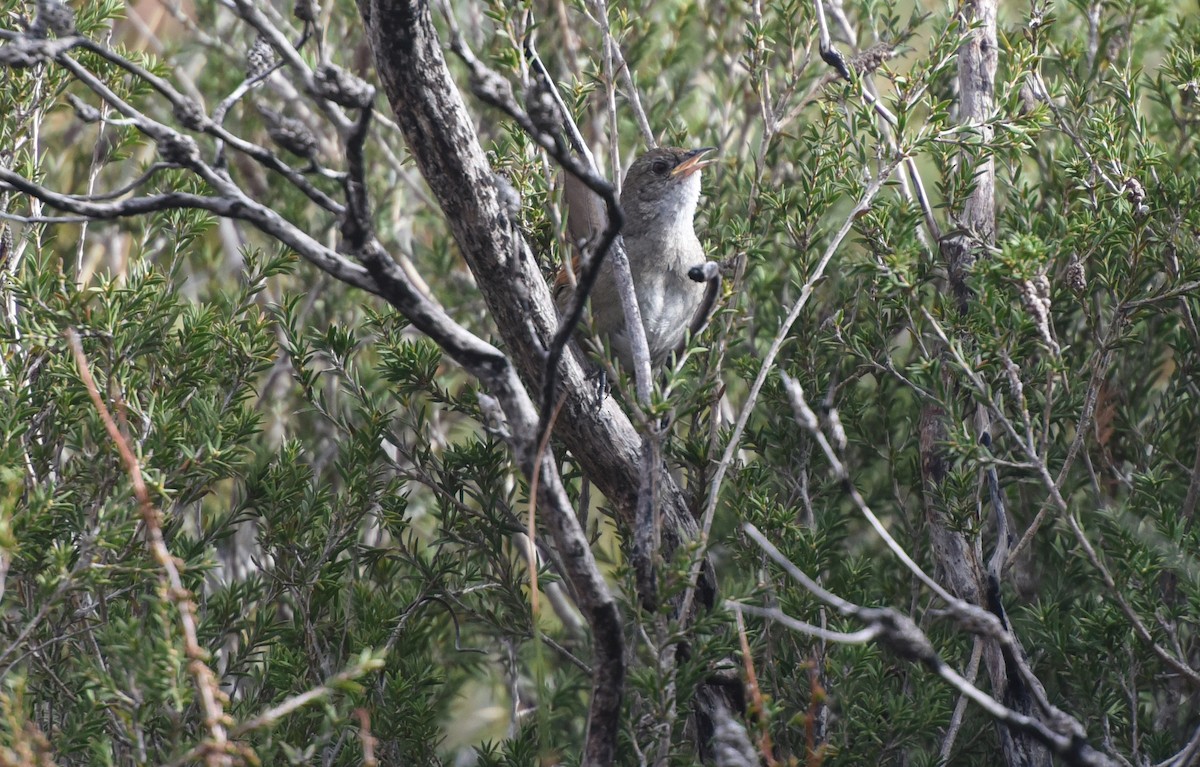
(662, 187)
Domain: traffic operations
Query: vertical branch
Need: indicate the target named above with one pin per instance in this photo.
(957, 556)
(614, 61)
(976, 93)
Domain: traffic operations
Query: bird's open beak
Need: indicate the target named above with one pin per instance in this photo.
(693, 162)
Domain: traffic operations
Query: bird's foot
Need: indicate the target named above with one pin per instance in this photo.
(704, 272)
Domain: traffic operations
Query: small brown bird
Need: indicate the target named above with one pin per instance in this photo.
(666, 260)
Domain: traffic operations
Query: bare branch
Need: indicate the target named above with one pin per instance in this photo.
(768, 364)
(960, 707)
(869, 634)
(237, 206)
(614, 63)
(898, 633)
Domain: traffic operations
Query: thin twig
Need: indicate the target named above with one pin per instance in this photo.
(808, 420)
(206, 682)
(768, 364)
(1060, 504)
(899, 634)
(863, 636)
(960, 707)
(615, 62)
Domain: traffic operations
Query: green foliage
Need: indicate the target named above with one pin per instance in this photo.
(345, 526)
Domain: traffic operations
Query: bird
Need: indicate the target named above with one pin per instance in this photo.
(675, 291)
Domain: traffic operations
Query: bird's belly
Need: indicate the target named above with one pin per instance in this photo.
(667, 311)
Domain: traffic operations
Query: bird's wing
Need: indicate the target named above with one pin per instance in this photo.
(586, 216)
(586, 219)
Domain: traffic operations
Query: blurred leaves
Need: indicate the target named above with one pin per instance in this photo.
(337, 507)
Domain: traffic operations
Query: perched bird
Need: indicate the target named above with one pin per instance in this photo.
(666, 260)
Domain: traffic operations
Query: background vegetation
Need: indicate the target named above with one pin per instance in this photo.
(347, 521)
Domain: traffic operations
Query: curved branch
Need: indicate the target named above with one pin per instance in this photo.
(1063, 735)
(240, 207)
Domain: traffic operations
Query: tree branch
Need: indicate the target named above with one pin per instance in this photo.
(1064, 737)
(441, 137)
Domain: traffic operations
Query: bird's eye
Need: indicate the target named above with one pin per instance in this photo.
(660, 167)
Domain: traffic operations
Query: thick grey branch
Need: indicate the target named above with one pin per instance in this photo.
(441, 136)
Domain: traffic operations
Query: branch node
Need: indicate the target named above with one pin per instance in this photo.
(342, 88)
(260, 59)
(190, 114)
(53, 18)
(289, 133)
(307, 10)
(178, 149)
(83, 110)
